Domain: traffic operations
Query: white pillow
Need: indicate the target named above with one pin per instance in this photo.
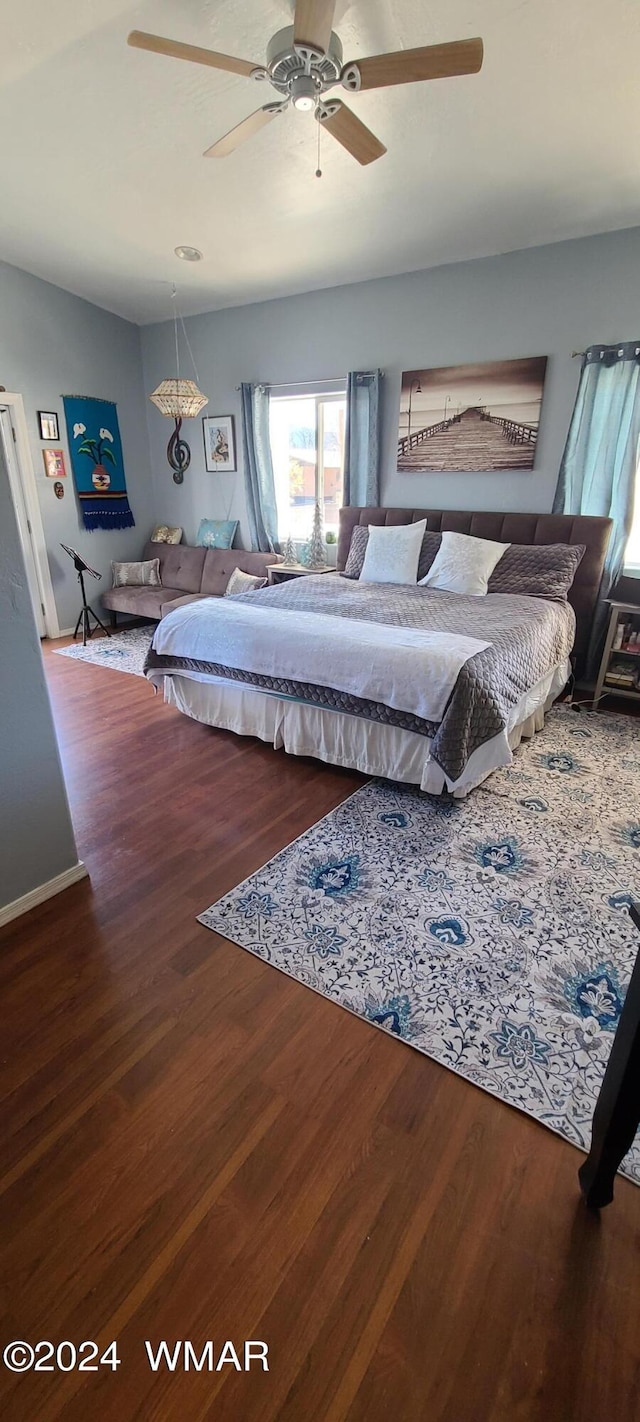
(463, 564)
(393, 553)
(240, 582)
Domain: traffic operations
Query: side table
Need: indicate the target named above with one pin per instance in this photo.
(283, 572)
(619, 673)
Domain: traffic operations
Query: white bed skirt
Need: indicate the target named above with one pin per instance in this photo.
(351, 741)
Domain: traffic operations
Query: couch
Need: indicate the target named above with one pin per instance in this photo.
(187, 575)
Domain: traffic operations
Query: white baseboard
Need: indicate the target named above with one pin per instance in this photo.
(43, 891)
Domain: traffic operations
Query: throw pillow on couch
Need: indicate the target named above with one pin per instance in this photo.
(136, 575)
(240, 582)
(216, 532)
(163, 533)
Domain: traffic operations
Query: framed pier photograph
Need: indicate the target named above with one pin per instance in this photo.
(471, 418)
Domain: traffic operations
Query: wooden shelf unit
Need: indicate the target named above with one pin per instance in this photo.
(621, 612)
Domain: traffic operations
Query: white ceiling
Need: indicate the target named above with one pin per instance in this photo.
(102, 173)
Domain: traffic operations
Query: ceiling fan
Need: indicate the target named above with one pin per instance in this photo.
(305, 60)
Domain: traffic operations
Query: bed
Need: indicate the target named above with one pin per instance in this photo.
(421, 686)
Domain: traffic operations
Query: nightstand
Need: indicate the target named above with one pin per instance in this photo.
(619, 673)
(282, 572)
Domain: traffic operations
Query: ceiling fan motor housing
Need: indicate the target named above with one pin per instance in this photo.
(299, 71)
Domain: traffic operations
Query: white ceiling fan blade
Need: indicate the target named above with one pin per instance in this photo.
(138, 39)
(313, 22)
(243, 131)
(411, 66)
(350, 131)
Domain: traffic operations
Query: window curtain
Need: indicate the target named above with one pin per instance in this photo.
(362, 439)
(258, 469)
(599, 464)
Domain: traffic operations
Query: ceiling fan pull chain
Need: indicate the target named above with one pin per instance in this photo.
(319, 169)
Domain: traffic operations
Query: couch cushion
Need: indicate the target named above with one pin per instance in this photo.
(141, 602)
(182, 602)
(180, 565)
(219, 564)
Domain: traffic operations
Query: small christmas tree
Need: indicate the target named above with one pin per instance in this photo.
(289, 552)
(315, 554)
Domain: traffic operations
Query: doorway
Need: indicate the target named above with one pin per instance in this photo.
(22, 483)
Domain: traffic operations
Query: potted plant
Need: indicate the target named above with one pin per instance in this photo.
(331, 541)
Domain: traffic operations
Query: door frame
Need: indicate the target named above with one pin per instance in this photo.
(29, 489)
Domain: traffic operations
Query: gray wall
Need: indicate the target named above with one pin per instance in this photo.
(54, 344)
(37, 837)
(546, 301)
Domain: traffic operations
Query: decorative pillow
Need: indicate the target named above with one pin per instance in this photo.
(136, 575)
(240, 582)
(428, 553)
(358, 548)
(464, 564)
(538, 570)
(392, 553)
(216, 532)
(164, 534)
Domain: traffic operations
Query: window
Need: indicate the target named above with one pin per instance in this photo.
(307, 448)
(632, 551)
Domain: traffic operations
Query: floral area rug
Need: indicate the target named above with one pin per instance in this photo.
(490, 933)
(123, 651)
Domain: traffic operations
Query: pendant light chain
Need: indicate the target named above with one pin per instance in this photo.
(176, 398)
(177, 316)
(188, 345)
(174, 298)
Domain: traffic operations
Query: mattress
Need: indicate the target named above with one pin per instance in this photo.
(529, 639)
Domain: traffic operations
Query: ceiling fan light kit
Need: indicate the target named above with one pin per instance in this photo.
(304, 61)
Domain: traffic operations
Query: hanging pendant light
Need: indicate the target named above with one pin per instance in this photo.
(179, 400)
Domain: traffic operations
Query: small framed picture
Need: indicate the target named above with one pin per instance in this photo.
(54, 466)
(48, 422)
(219, 444)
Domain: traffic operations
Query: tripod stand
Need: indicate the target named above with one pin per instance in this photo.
(85, 613)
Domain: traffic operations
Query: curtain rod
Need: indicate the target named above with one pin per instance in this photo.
(620, 346)
(287, 384)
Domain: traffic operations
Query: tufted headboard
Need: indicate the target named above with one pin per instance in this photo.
(509, 528)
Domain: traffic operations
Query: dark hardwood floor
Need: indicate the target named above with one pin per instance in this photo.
(199, 1148)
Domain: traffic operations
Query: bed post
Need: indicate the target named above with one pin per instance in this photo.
(617, 1114)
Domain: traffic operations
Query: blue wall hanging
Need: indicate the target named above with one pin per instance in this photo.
(95, 449)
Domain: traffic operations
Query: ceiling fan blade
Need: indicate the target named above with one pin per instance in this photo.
(409, 66)
(175, 50)
(354, 135)
(244, 130)
(313, 22)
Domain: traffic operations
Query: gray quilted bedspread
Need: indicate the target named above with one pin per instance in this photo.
(529, 636)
